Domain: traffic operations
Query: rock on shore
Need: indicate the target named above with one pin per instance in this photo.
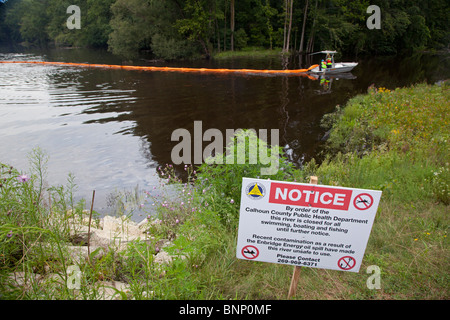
(108, 233)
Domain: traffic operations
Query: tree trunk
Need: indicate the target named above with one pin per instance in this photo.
(205, 48)
(290, 25)
(310, 45)
(232, 24)
(285, 25)
(225, 28)
(303, 28)
(216, 25)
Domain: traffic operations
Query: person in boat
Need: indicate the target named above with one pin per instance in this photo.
(329, 64)
(323, 65)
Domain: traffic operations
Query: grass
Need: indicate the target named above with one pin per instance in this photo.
(397, 142)
(248, 52)
(394, 141)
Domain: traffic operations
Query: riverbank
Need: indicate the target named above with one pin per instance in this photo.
(394, 141)
(248, 52)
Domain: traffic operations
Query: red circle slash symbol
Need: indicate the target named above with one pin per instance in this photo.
(346, 263)
(250, 252)
(363, 201)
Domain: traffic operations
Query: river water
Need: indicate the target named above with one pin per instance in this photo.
(112, 128)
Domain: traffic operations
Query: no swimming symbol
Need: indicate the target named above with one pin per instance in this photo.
(363, 201)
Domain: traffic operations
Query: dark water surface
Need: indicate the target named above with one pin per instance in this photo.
(112, 128)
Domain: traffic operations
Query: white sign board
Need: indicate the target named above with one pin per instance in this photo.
(305, 224)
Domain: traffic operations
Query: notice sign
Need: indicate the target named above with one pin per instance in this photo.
(304, 224)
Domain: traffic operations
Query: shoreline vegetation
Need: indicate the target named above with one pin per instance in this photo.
(395, 141)
(249, 52)
(183, 29)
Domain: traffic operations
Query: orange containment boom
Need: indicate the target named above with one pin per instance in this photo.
(172, 69)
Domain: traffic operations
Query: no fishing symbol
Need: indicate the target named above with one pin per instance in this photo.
(250, 252)
(363, 201)
(346, 263)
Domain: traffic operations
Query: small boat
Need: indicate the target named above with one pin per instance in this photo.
(336, 67)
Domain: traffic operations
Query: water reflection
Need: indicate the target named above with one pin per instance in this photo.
(112, 128)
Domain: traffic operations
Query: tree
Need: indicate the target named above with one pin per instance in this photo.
(168, 29)
(197, 24)
(289, 9)
(33, 23)
(232, 24)
(303, 27)
(437, 16)
(97, 27)
(4, 38)
(130, 27)
(310, 44)
(57, 28)
(12, 12)
(174, 29)
(269, 12)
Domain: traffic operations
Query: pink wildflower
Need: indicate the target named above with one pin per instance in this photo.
(23, 178)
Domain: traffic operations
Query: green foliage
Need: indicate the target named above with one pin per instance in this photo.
(172, 48)
(138, 25)
(407, 127)
(226, 177)
(129, 27)
(398, 119)
(396, 141)
(29, 219)
(39, 22)
(26, 21)
(195, 24)
(181, 29)
(97, 27)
